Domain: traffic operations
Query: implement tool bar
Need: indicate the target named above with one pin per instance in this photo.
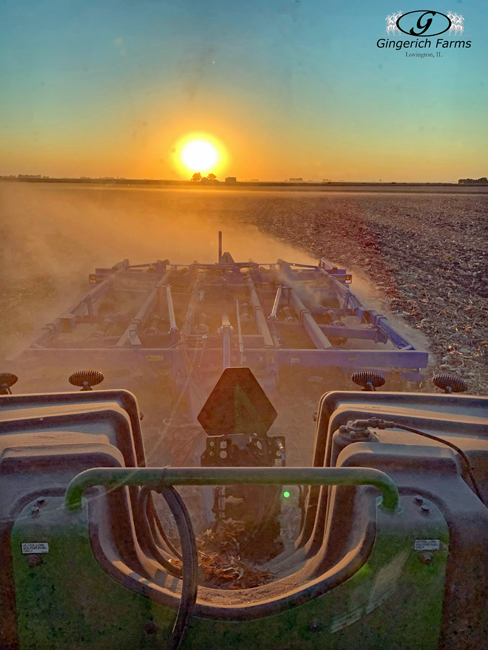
(259, 316)
(143, 314)
(164, 476)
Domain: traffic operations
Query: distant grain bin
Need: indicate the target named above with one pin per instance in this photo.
(231, 179)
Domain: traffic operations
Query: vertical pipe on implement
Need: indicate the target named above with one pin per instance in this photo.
(89, 305)
(311, 327)
(276, 304)
(313, 330)
(225, 332)
(220, 245)
(131, 333)
(261, 323)
(171, 312)
(239, 334)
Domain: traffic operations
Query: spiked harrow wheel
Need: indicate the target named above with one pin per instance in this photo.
(368, 380)
(86, 379)
(450, 383)
(7, 379)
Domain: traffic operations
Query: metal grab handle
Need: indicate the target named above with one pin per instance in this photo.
(157, 476)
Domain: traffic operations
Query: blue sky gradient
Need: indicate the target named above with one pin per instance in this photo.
(289, 87)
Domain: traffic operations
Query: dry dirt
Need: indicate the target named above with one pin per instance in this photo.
(426, 254)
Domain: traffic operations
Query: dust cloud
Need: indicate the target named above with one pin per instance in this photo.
(55, 235)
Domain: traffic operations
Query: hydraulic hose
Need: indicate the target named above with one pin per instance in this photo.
(148, 528)
(378, 423)
(155, 520)
(189, 571)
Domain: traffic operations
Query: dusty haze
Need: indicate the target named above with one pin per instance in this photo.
(54, 236)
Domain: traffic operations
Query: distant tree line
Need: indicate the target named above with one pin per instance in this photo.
(197, 177)
(473, 181)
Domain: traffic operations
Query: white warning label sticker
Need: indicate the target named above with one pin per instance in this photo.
(427, 544)
(28, 548)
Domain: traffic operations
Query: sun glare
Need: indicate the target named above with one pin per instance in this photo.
(199, 155)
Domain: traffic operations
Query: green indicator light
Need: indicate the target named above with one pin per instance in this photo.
(286, 495)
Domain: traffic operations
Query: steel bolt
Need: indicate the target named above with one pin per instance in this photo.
(34, 511)
(314, 626)
(418, 500)
(34, 560)
(426, 558)
(425, 510)
(40, 501)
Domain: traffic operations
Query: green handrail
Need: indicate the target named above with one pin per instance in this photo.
(164, 476)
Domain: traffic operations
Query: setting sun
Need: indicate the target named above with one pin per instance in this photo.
(199, 155)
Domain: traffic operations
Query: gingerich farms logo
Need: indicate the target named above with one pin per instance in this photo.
(425, 29)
